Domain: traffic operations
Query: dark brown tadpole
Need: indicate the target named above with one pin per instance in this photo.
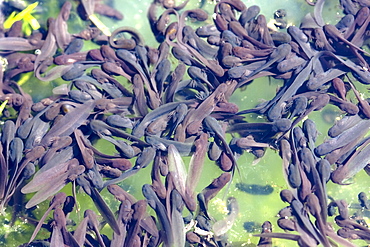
(340, 88)
(287, 224)
(363, 200)
(313, 204)
(286, 196)
(60, 224)
(69, 122)
(139, 210)
(57, 201)
(217, 184)
(161, 212)
(265, 241)
(103, 9)
(86, 153)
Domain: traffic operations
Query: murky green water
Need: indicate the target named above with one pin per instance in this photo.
(268, 171)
